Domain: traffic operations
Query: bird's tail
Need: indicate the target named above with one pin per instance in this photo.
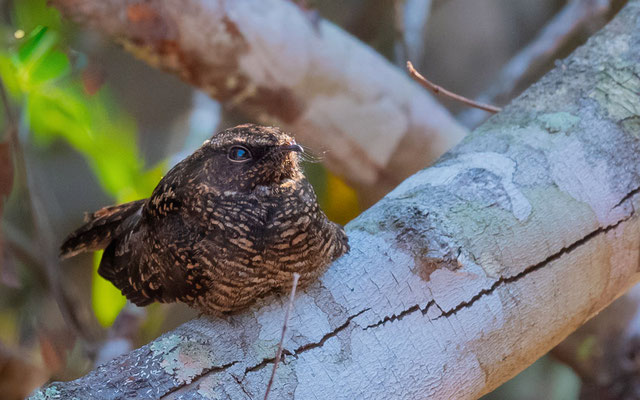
(101, 227)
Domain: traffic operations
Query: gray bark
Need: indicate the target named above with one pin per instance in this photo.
(459, 278)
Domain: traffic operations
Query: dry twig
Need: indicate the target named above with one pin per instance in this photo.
(440, 90)
(296, 276)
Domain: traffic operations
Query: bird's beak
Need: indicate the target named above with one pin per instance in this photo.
(292, 147)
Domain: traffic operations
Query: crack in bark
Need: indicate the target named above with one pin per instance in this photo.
(239, 382)
(215, 369)
(306, 347)
(212, 370)
(402, 314)
(396, 317)
(496, 284)
(627, 197)
(265, 362)
(533, 268)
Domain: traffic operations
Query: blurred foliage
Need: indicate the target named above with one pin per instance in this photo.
(587, 348)
(338, 200)
(106, 299)
(56, 105)
(546, 379)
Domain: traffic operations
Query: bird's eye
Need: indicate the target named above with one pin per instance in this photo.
(239, 154)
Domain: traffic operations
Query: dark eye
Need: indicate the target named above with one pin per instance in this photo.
(239, 154)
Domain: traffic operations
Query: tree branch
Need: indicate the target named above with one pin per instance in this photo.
(460, 277)
(267, 58)
(576, 17)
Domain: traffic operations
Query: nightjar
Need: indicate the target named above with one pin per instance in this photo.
(227, 225)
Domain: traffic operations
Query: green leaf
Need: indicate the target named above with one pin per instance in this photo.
(38, 43)
(56, 107)
(106, 299)
(149, 179)
(54, 65)
(9, 76)
(29, 14)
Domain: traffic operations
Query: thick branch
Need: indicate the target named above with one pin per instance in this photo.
(268, 58)
(460, 277)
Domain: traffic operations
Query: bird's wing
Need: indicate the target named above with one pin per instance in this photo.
(157, 260)
(101, 227)
(155, 264)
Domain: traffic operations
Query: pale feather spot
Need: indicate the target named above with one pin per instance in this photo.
(289, 232)
(296, 240)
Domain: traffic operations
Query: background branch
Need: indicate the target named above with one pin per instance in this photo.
(574, 23)
(268, 59)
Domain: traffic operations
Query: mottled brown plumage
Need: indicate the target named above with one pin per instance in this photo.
(227, 225)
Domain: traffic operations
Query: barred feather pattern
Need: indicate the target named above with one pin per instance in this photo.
(217, 235)
(100, 228)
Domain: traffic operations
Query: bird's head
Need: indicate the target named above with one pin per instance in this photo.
(241, 158)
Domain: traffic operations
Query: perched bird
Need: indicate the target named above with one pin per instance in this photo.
(227, 225)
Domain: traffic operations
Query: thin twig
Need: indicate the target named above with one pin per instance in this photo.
(440, 90)
(296, 276)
